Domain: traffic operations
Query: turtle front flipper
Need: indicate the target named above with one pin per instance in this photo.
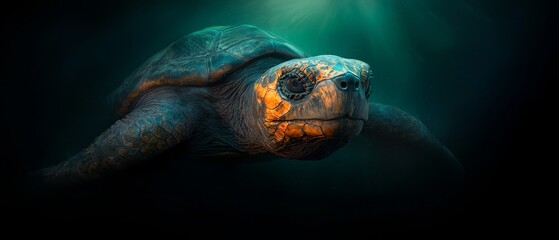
(159, 121)
(393, 126)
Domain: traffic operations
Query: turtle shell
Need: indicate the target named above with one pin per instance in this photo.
(201, 58)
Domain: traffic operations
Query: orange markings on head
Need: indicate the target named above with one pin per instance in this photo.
(269, 124)
(280, 131)
(287, 131)
(271, 130)
(272, 99)
(294, 130)
(276, 113)
(284, 118)
(260, 92)
(312, 130)
(328, 94)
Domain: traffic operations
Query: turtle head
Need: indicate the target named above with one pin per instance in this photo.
(311, 107)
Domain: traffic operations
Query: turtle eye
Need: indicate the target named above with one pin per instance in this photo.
(294, 85)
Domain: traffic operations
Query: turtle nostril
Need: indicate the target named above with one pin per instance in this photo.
(347, 82)
(343, 84)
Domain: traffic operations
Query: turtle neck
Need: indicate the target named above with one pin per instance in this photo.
(236, 104)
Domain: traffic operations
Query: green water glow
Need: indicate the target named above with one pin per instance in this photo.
(452, 64)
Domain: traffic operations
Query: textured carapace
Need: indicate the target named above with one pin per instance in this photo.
(304, 101)
(202, 58)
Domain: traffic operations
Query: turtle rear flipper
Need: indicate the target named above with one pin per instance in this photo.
(159, 121)
(390, 125)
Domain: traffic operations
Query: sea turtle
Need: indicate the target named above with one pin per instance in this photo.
(239, 89)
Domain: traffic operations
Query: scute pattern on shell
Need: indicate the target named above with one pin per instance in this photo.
(201, 59)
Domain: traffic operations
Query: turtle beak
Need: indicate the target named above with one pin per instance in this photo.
(357, 106)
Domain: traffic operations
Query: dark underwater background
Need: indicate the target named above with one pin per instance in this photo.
(473, 71)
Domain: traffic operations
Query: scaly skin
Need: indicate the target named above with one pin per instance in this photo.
(157, 124)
